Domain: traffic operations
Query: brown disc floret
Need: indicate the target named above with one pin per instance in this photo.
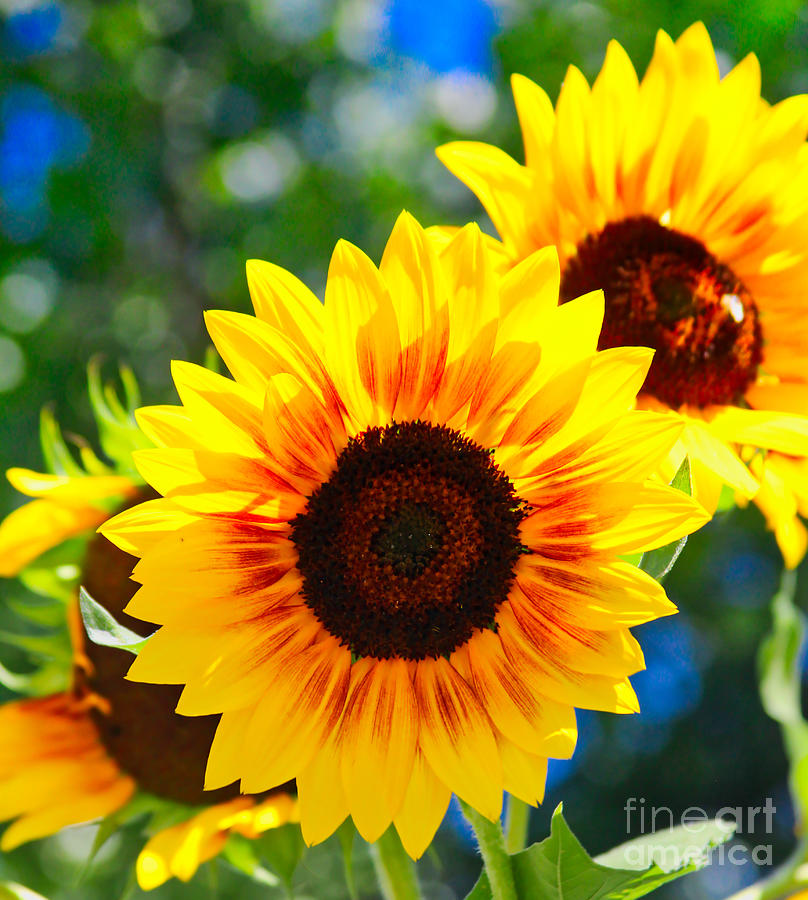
(411, 543)
(164, 752)
(666, 291)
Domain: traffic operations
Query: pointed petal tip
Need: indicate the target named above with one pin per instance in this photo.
(406, 220)
(518, 80)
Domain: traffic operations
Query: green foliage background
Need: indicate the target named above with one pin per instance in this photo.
(217, 130)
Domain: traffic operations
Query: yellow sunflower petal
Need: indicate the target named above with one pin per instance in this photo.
(614, 653)
(305, 438)
(378, 749)
(717, 457)
(190, 478)
(181, 849)
(323, 804)
(222, 767)
(498, 180)
(533, 281)
(142, 527)
(254, 350)
(660, 515)
(221, 406)
(778, 502)
(29, 531)
(536, 723)
(524, 774)
(536, 118)
(285, 303)
(224, 684)
(101, 802)
(68, 490)
(411, 270)
(456, 737)
(557, 678)
(54, 770)
(289, 722)
(473, 310)
(596, 594)
(786, 434)
(362, 346)
(423, 809)
(171, 426)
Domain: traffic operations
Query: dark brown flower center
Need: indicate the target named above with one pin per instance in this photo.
(165, 753)
(665, 290)
(410, 545)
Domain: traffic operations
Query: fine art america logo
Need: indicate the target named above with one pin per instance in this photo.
(648, 820)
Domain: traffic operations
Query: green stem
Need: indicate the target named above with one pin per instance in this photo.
(783, 881)
(495, 857)
(394, 869)
(793, 873)
(516, 822)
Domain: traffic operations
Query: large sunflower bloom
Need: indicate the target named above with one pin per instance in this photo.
(85, 752)
(685, 197)
(387, 551)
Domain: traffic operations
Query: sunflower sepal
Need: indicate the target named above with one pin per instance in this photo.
(48, 678)
(10, 890)
(658, 563)
(106, 631)
(241, 854)
(559, 867)
(153, 812)
(47, 645)
(282, 849)
(56, 453)
(346, 834)
(114, 415)
(52, 578)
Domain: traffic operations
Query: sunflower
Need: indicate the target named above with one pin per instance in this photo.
(73, 498)
(387, 551)
(685, 197)
(85, 752)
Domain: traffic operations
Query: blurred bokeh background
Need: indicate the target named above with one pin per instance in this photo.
(148, 148)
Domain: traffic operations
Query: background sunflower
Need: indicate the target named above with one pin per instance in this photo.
(147, 148)
(669, 192)
(101, 748)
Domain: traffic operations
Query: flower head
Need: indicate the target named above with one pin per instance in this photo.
(681, 196)
(86, 751)
(387, 550)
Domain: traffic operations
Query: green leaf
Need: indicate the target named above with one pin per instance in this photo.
(780, 679)
(104, 630)
(346, 833)
(559, 868)
(51, 645)
(118, 431)
(9, 890)
(49, 678)
(241, 853)
(58, 458)
(657, 563)
(14, 681)
(282, 849)
(55, 585)
(779, 657)
(212, 360)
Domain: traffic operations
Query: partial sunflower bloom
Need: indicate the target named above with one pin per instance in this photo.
(73, 498)
(388, 550)
(84, 753)
(684, 196)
